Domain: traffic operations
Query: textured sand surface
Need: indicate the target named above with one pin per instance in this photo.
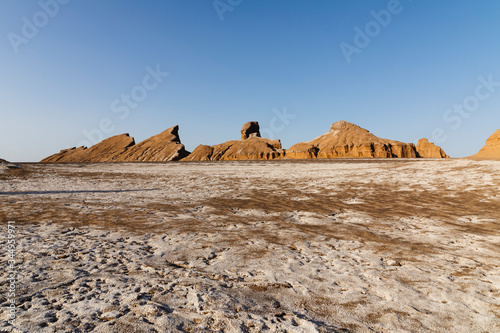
(277, 246)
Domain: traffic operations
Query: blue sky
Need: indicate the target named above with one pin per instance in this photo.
(431, 70)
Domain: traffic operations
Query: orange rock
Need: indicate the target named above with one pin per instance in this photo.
(165, 146)
(428, 149)
(200, 153)
(162, 147)
(348, 140)
(302, 150)
(491, 149)
(250, 130)
(251, 147)
(101, 152)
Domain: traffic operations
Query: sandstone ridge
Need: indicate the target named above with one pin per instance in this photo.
(165, 146)
(491, 149)
(250, 147)
(345, 139)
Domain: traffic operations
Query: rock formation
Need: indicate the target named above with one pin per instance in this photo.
(491, 149)
(250, 147)
(348, 140)
(165, 146)
(5, 165)
(426, 149)
(342, 140)
(104, 151)
(250, 130)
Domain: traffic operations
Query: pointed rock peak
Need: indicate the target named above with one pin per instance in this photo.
(165, 146)
(251, 129)
(170, 134)
(345, 125)
(174, 130)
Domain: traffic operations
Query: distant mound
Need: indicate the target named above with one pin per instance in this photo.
(250, 147)
(165, 146)
(349, 140)
(491, 149)
(426, 149)
(6, 165)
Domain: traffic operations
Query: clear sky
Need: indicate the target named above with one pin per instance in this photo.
(403, 70)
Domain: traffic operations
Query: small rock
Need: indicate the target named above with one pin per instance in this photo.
(111, 315)
(391, 262)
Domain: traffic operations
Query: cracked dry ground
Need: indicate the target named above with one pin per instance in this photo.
(285, 246)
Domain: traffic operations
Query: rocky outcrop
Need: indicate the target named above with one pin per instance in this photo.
(250, 147)
(162, 147)
(250, 130)
(491, 149)
(200, 153)
(165, 146)
(6, 165)
(348, 140)
(426, 149)
(342, 140)
(104, 151)
(302, 150)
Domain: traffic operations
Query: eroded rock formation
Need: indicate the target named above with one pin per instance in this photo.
(250, 130)
(426, 149)
(342, 140)
(165, 146)
(491, 149)
(250, 147)
(348, 140)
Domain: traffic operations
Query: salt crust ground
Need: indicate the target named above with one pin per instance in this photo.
(322, 246)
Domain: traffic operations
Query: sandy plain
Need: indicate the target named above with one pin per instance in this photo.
(277, 246)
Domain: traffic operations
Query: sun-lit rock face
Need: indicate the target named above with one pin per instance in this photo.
(250, 147)
(349, 140)
(491, 149)
(426, 149)
(250, 130)
(165, 146)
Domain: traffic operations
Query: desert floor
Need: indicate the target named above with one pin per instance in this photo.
(277, 246)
